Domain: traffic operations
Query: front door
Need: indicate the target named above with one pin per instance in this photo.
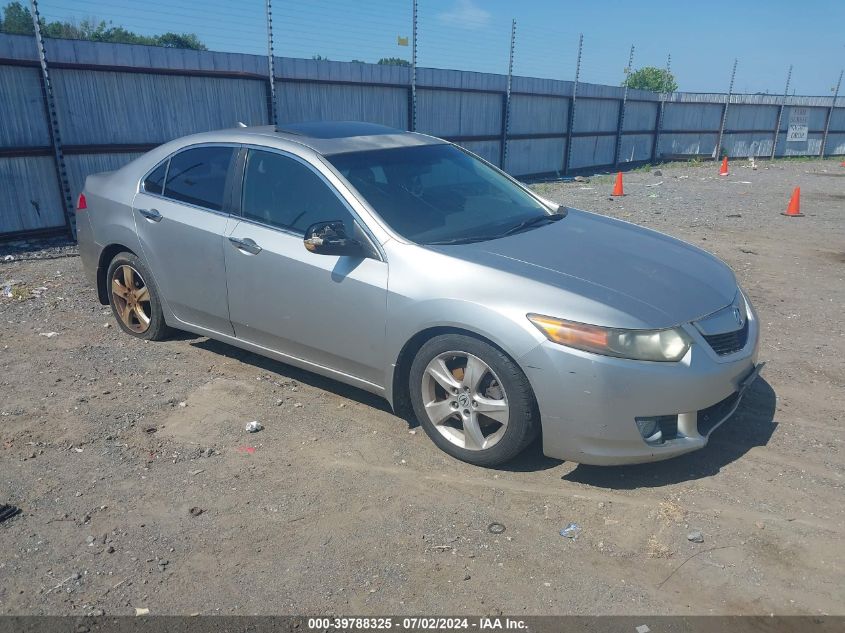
(181, 224)
(323, 309)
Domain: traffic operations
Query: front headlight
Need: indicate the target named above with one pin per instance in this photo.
(746, 303)
(658, 345)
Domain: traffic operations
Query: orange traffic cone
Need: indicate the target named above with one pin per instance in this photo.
(618, 188)
(794, 208)
(724, 170)
(842, 164)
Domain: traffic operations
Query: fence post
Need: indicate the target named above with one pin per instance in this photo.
(620, 121)
(725, 113)
(780, 113)
(830, 114)
(412, 124)
(52, 116)
(271, 65)
(661, 106)
(503, 155)
(567, 154)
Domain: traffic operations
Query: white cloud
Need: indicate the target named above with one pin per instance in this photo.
(465, 14)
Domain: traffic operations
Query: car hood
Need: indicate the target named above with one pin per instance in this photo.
(613, 273)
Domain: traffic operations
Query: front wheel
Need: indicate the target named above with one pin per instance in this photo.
(472, 400)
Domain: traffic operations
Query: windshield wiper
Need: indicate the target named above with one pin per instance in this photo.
(554, 217)
(461, 240)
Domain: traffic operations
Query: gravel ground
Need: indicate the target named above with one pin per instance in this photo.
(140, 488)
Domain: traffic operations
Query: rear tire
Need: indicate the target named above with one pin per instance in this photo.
(472, 400)
(134, 298)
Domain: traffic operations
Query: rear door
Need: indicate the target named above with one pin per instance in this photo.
(324, 309)
(181, 214)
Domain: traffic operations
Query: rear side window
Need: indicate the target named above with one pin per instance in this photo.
(154, 183)
(283, 192)
(198, 176)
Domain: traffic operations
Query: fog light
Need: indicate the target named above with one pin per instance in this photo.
(650, 429)
(654, 428)
(657, 429)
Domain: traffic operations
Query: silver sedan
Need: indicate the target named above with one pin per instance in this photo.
(407, 266)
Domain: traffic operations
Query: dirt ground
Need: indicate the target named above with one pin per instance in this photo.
(108, 443)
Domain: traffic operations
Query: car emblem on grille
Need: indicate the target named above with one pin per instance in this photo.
(738, 316)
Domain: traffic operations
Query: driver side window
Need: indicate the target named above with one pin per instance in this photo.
(285, 193)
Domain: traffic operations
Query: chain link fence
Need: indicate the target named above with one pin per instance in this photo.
(84, 93)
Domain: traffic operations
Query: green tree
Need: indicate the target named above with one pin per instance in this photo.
(181, 40)
(320, 58)
(17, 19)
(651, 78)
(393, 61)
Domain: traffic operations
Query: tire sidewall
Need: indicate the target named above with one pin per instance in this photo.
(522, 410)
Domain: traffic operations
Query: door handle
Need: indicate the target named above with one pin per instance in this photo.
(245, 244)
(151, 214)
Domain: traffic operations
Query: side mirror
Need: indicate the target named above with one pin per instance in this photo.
(329, 238)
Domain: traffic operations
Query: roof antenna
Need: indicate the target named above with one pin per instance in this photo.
(242, 124)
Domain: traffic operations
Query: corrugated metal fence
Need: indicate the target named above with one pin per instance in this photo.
(115, 101)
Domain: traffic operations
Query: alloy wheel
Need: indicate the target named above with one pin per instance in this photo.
(131, 298)
(465, 400)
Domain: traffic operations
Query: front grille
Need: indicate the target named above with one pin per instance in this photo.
(711, 416)
(729, 342)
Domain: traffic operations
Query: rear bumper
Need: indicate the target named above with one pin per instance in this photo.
(89, 250)
(588, 403)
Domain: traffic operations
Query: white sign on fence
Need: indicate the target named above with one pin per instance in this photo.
(798, 121)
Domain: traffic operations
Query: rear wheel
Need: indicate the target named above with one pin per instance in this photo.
(134, 298)
(472, 400)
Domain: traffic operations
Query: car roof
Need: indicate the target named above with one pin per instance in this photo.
(338, 137)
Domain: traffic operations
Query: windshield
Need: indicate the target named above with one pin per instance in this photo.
(439, 194)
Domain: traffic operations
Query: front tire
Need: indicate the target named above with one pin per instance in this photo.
(134, 298)
(472, 400)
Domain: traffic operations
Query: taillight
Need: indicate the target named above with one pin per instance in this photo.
(81, 203)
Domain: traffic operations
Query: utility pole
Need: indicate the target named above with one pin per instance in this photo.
(621, 122)
(271, 66)
(780, 112)
(661, 108)
(725, 112)
(53, 119)
(507, 107)
(413, 121)
(830, 114)
(567, 154)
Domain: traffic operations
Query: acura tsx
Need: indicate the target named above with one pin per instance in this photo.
(407, 266)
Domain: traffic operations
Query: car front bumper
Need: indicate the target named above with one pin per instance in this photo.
(589, 403)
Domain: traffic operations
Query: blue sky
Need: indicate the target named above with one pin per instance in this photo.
(703, 37)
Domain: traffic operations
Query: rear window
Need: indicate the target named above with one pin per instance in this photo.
(154, 183)
(198, 176)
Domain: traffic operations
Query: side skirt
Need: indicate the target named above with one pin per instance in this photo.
(285, 358)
